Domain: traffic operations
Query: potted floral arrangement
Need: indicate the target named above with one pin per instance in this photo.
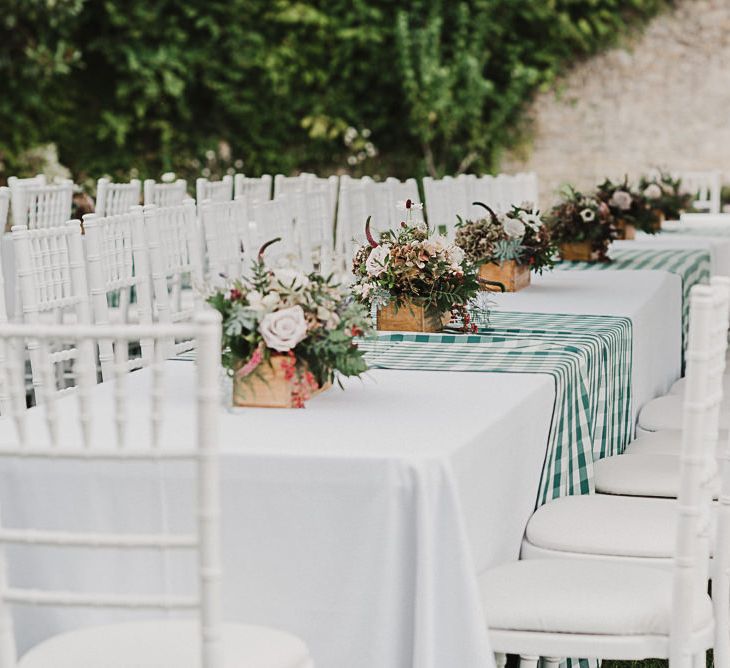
(665, 195)
(286, 334)
(507, 247)
(582, 227)
(631, 210)
(416, 282)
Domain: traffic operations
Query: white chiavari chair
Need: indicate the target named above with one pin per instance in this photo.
(377, 202)
(609, 609)
(527, 189)
(51, 276)
(460, 197)
(216, 191)
(165, 194)
(116, 198)
(504, 192)
(84, 430)
(118, 273)
(223, 224)
(254, 188)
(484, 191)
(173, 240)
(314, 231)
(275, 219)
(351, 217)
(37, 205)
(706, 187)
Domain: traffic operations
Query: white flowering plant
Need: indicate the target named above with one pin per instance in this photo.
(308, 319)
(519, 235)
(582, 218)
(409, 266)
(665, 193)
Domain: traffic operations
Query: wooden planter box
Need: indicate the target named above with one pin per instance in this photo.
(267, 386)
(625, 230)
(579, 251)
(410, 318)
(660, 218)
(513, 276)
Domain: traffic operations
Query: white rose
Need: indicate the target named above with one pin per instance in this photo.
(588, 215)
(271, 300)
(531, 220)
(375, 264)
(291, 278)
(282, 330)
(456, 254)
(514, 229)
(621, 199)
(254, 299)
(652, 191)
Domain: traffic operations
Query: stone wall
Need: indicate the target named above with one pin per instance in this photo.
(662, 100)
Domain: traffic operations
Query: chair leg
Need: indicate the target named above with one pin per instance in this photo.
(529, 661)
(551, 662)
(500, 660)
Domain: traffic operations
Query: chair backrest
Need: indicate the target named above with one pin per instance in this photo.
(115, 198)
(273, 219)
(314, 232)
(51, 275)
(377, 203)
(224, 227)
(216, 191)
(173, 240)
(398, 192)
(527, 189)
(165, 194)
(288, 185)
(706, 187)
(37, 206)
(133, 429)
(254, 188)
(4, 206)
(440, 209)
(706, 348)
(351, 216)
(118, 273)
(484, 191)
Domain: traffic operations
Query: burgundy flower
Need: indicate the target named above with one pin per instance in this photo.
(409, 204)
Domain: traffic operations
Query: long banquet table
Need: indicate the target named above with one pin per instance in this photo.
(359, 523)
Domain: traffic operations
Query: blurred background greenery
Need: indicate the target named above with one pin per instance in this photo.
(379, 87)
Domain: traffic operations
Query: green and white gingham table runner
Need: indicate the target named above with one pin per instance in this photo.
(590, 370)
(692, 265)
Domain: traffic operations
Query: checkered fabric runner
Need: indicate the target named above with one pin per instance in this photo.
(692, 265)
(588, 421)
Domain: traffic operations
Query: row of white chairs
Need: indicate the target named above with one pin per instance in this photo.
(623, 573)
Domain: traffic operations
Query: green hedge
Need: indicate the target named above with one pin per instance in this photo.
(274, 85)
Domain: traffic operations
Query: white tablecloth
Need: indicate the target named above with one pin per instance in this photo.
(652, 299)
(719, 247)
(358, 523)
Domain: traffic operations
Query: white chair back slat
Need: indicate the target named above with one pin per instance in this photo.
(439, 208)
(223, 224)
(39, 206)
(165, 194)
(254, 188)
(63, 436)
(113, 199)
(4, 206)
(118, 272)
(216, 191)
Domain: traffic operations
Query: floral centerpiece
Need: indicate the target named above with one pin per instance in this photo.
(286, 334)
(508, 246)
(666, 195)
(582, 227)
(631, 210)
(415, 281)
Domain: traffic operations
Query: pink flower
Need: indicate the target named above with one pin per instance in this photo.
(256, 359)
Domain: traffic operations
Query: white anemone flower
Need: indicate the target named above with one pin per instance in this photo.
(588, 215)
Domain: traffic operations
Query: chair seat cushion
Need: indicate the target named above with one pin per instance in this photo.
(640, 474)
(666, 413)
(604, 525)
(166, 644)
(578, 596)
(667, 442)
